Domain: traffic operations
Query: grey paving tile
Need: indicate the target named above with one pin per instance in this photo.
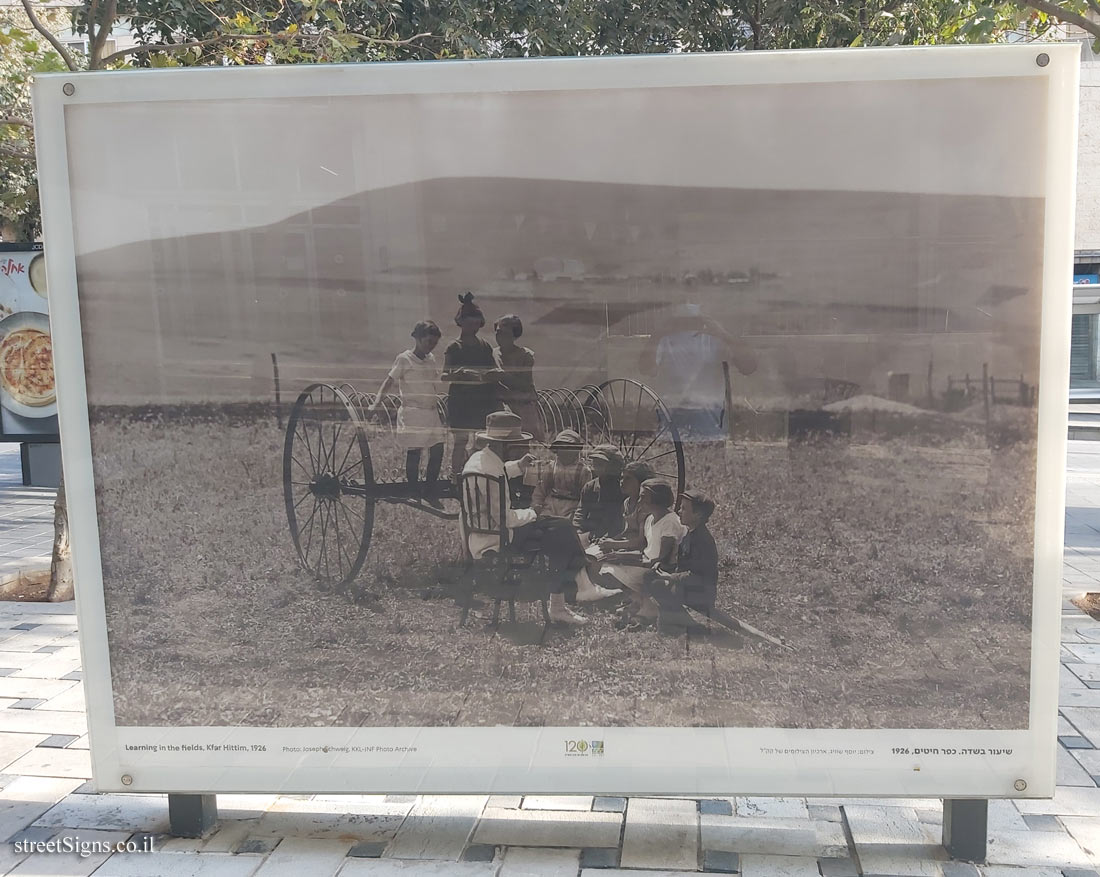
(838, 867)
(367, 850)
(32, 833)
(598, 857)
(7, 671)
(756, 865)
(1042, 822)
(437, 827)
(26, 799)
(544, 828)
(58, 741)
(791, 837)
(296, 856)
(721, 862)
(1067, 801)
(960, 869)
(890, 840)
(169, 865)
(505, 802)
(26, 703)
(73, 676)
(1086, 831)
(1070, 771)
(70, 864)
(372, 825)
(775, 808)
(479, 853)
(110, 812)
(1074, 742)
(1079, 872)
(603, 804)
(557, 802)
(535, 862)
(661, 833)
(824, 812)
(416, 868)
(1036, 848)
(261, 845)
(715, 807)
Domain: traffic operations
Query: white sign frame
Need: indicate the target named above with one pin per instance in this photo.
(517, 760)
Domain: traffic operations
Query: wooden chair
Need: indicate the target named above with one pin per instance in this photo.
(500, 573)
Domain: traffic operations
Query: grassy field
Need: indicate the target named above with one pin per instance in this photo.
(900, 572)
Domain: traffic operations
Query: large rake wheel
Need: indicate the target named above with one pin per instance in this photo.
(327, 474)
(640, 425)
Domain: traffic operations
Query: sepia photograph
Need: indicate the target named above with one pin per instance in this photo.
(614, 407)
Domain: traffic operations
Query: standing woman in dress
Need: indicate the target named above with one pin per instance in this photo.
(517, 388)
(471, 370)
(415, 373)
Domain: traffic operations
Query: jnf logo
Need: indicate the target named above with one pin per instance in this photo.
(10, 266)
(584, 747)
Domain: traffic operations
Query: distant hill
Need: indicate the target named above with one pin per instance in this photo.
(848, 284)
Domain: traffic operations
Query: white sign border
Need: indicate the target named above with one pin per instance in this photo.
(634, 760)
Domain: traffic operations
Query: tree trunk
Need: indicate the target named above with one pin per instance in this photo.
(61, 566)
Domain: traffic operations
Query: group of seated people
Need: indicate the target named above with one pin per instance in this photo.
(605, 527)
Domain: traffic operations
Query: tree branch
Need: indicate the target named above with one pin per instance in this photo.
(26, 154)
(224, 39)
(51, 38)
(16, 120)
(106, 25)
(1064, 15)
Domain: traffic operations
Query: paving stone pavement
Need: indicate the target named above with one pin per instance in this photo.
(44, 765)
(26, 517)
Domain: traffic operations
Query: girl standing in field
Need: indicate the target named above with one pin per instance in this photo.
(471, 370)
(415, 373)
(517, 387)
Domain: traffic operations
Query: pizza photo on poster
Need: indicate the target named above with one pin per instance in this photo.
(28, 394)
(825, 372)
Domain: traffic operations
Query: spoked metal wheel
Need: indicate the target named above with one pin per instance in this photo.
(327, 476)
(640, 425)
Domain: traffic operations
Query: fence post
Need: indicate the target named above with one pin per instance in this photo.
(985, 391)
(278, 404)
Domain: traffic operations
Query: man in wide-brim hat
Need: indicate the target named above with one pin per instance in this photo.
(556, 539)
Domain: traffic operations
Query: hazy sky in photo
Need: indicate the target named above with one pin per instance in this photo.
(212, 166)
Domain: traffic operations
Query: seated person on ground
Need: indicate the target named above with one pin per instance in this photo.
(600, 512)
(554, 538)
(694, 583)
(662, 533)
(558, 492)
(631, 537)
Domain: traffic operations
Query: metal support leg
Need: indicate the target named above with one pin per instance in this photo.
(965, 828)
(192, 815)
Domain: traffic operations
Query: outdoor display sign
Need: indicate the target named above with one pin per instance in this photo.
(28, 401)
(687, 424)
